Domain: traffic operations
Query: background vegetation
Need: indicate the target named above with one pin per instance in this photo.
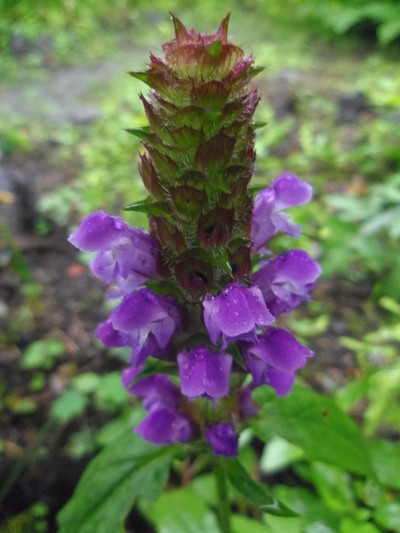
(331, 100)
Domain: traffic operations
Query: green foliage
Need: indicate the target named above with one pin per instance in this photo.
(190, 514)
(105, 391)
(42, 354)
(127, 469)
(33, 520)
(342, 16)
(253, 491)
(316, 424)
(69, 405)
(331, 463)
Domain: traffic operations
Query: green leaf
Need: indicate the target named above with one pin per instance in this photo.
(278, 454)
(87, 383)
(385, 457)
(110, 395)
(316, 424)
(389, 31)
(155, 366)
(70, 404)
(253, 491)
(182, 511)
(124, 471)
(117, 427)
(243, 523)
(42, 354)
(333, 486)
(388, 516)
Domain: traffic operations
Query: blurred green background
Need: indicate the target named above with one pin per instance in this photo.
(331, 100)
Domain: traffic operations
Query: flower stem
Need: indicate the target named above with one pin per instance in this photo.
(224, 508)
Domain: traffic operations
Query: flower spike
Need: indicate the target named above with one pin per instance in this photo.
(195, 316)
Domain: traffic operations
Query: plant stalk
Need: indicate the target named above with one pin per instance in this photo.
(224, 508)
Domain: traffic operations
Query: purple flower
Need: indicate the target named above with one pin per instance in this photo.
(126, 255)
(267, 220)
(165, 426)
(222, 439)
(204, 372)
(235, 313)
(144, 321)
(287, 280)
(155, 391)
(247, 407)
(274, 358)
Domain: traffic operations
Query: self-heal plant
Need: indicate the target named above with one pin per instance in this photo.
(201, 292)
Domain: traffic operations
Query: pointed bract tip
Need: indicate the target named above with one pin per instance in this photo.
(181, 32)
(223, 29)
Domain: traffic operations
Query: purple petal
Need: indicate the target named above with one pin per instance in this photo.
(128, 375)
(262, 225)
(126, 255)
(267, 220)
(282, 222)
(104, 266)
(165, 426)
(247, 407)
(235, 313)
(211, 311)
(274, 358)
(143, 312)
(222, 439)
(97, 232)
(290, 191)
(137, 311)
(204, 372)
(278, 348)
(280, 381)
(287, 280)
(156, 390)
(111, 337)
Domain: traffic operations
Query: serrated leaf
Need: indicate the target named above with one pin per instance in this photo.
(127, 469)
(316, 424)
(253, 491)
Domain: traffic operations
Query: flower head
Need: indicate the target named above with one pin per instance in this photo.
(144, 321)
(287, 280)
(125, 255)
(235, 313)
(165, 423)
(274, 358)
(286, 191)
